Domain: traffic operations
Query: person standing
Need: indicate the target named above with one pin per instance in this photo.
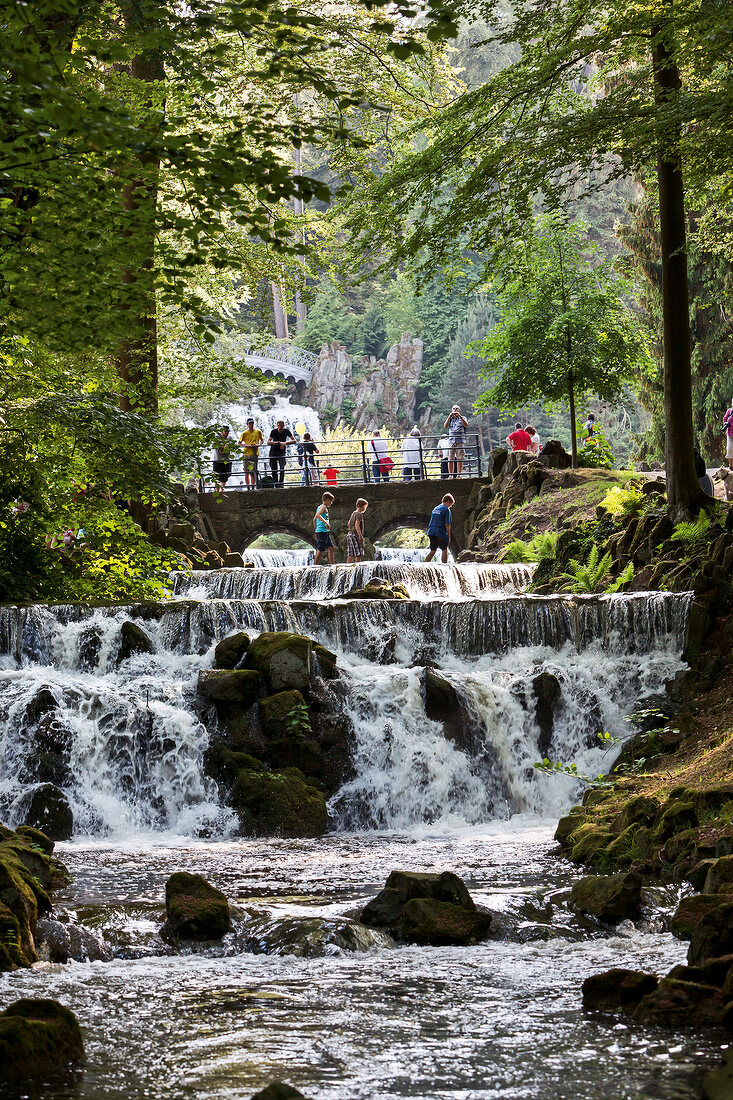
(439, 528)
(519, 440)
(456, 425)
(535, 445)
(728, 428)
(590, 426)
(412, 456)
(280, 438)
(307, 452)
(355, 534)
(322, 526)
(251, 439)
(223, 457)
(378, 448)
(443, 449)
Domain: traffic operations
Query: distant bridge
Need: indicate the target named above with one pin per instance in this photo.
(281, 360)
(238, 518)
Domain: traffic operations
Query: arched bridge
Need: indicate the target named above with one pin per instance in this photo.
(283, 361)
(239, 517)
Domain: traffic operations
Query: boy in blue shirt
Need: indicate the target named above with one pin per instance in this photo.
(322, 526)
(439, 527)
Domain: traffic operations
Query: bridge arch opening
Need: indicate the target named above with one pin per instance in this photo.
(279, 536)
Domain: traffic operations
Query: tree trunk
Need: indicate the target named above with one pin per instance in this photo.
(137, 357)
(279, 315)
(573, 432)
(683, 489)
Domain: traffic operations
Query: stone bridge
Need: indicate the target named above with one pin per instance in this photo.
(239, 517)
(281, 360)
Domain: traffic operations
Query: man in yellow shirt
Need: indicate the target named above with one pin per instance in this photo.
(250, 439)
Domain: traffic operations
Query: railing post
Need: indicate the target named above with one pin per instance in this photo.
(364, 470)
(306, 468)
(478, 454)
(423, 470)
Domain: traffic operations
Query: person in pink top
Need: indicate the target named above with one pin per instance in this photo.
(519, 440)
(728, 425)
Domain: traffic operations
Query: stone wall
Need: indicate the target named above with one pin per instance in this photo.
(376, 391)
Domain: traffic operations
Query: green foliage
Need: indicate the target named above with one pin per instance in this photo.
(694, 530)
(596, 451)
(542, 545)
(348, 405)
(592, 575)
(626, 501)
(297, 720)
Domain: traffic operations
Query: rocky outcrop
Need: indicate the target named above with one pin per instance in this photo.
(377, 589)
(609, 898)
(368, 392)
(47, 808)
(28, 872)
(133, 639)
(241, 685)
(195, 910)
(427, 909)
(38, 1038)
(617, 990)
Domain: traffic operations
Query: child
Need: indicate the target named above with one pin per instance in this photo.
(322, 526)
(331, 475)
(355, 536)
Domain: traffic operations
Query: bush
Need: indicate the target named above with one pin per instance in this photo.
(596, 451)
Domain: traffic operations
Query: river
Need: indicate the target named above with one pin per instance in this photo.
(290, 994)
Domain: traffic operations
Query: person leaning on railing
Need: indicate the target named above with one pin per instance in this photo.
(412, 456)
(250, 441)
(381, 462)
(280, 438)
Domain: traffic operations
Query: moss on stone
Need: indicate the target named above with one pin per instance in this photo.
(195, 909)
(230, 651)
(588, 842)
(283, 659)
(230, 685)
(279, 714)
(278, 804)
(38, 1038)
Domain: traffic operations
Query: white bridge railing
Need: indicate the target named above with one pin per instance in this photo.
(284, 359)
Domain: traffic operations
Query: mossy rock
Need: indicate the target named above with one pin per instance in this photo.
(277, 713)
(622, 851)
(195, 910)
(719, 879)
(674, 818)
(230, 685)
(36, 837)
(230, 651)
(224, 765)
(690, 913)
(11, 954)
(617, 990)
(437, 923)
(679, 1004)
(713, 937)
(296, 752)
(609, 898)
(38, 1039)
(48, 872)
(278, 804)
(327, 661)
(24, 896)
(133, 639)
(47, 808)
(639, 810)
(567, 825)
(589, 843)
(283, 659)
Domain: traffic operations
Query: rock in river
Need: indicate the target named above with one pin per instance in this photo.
(427, 909)
(38, 1038)
(610, 898)
(195, 910)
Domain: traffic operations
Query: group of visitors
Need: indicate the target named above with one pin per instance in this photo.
(279, 439)
(439, 530)
(524, 439)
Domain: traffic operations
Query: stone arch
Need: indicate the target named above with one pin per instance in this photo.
(279, 528)
(420, 521)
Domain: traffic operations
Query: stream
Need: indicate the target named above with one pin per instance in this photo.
(293, 992)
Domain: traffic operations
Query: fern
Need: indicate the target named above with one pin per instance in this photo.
(623, 502)
(591, 576)
(541, 546)
(516, 552)
(692, 531)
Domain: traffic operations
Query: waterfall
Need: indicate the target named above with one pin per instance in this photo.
(422, 580)
(279, 559)
(125, 741)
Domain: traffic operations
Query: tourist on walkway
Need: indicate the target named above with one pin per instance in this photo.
(381, 462)
(519, 440)
(456, 425)
(280, 438)
(535, 445)
(250, 440)
(412, 456)
(223, 456)
(728, 426)
(355, 534)
(443, 450)
(307, 452)
(331, 474)
(322, 526)
(439, 528)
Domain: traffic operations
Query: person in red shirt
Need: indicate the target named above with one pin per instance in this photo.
(331, 475)
(519, 440)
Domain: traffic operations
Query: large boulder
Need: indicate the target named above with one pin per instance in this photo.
(60, 942)
(133, 639)
(690, 913)
(280, 803)
(282, 659)
(47, 808)
(617, 990)
(38, 1039)
(195, 910)
(713, 936)
(719, 878)
(547, 693)
(681, 1004)
(427, 909)
(230, 651)
(26, 873)
(284, 712)
(609, 898)
(239, 685)
(445, 704)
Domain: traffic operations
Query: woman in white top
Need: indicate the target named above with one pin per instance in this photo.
(535, 446)
(412, 456)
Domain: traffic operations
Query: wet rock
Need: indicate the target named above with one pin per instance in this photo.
(59, 942)
(444, 704)
(589, 842)
(681, 1004)
(713, 936)
(327, 661)
(38, 1038)
(52, 735)
(11, 950)
(37, 838)
(690, 913)
(230, 651)
(133, 639)
(567, 825)
(547, 692)
(195, 910)
(717, 1084)
(609, 898)
(312, 937)
(278, 1091)
(232, 560)
(47, 808)
(280, 803)
(640, 810)
(617, 990)
(719, 879)
(377, 589)
(43, 702)
(47, 871)
(283, 659)
(283, 711)
(239, 685)
(696, 875)
(427, 909)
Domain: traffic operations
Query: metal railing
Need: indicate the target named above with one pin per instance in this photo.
(288, 354)
(347, 462)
